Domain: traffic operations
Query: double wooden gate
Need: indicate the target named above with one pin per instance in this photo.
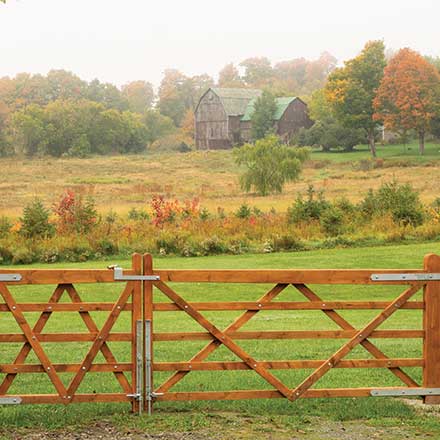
(142, 303)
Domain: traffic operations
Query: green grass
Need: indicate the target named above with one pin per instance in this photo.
(199, 415)
(409, 152)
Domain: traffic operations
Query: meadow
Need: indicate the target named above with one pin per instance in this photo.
(119, 183)
(388, 418)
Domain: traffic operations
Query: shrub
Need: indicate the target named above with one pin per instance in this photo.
(5, 255)
(244, 211)
(35, 221)
(402, 201)
(5, 226)
(332, 221)
(213, 246)
(22, 255)
(74, 214)
(140, 214)
(284, 243)
(309, 209)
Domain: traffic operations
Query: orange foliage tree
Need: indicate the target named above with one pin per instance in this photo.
(409, 93)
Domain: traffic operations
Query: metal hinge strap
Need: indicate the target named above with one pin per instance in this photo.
(10, 277)
(10, 400)
(406, 392)
(405, 277)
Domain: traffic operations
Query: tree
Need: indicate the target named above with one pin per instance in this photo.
(257, 71)
(157, 125)
(352, 88)
(188, 124)
(229, 77)
(139, 95)
(269, 164)
(262, 116)
(408, 96)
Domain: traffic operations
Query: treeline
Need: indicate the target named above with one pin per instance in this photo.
(61, 114)
(371, 93)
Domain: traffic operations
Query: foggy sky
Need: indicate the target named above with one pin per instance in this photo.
(124, 40)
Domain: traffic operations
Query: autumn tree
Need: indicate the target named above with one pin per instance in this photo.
(188, 124)
(229, 76)
(257, 71)
(139, 95)
(351, 90)
(409, 94)
(262, 116)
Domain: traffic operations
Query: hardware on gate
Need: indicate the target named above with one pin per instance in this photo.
(405, 392)
(10, 277)
(10, 400)
(405, 277)
(119, 275)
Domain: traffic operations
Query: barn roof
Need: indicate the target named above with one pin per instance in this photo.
(235, 101)
(281, 106)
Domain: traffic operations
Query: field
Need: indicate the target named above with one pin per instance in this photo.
(122, 182)
(360, 418)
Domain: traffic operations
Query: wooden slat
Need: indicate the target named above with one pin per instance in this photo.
(65, 337)
(92, 327)
(282, 305)
(297, 276)
(367, 344)
(31, 339)
(26, 349)
(352, 343)
(286, 365)
(213, 345)
(78, 398)
(100, 339)
(431, 324)
(64, 307)
(64, 368)
(63, 276)
(224, 338)
(295, 334)
(266, 394)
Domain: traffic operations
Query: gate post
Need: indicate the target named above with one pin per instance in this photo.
(431, 326)
(136, 341)
(148, 332)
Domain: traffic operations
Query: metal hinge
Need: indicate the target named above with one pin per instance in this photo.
(10, 400)
(153, 395)
(406, 277)
(406, 392)
(119, 275)
(136, 396)
(10, 277)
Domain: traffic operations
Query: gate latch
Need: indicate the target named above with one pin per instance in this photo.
(10, 400)
(119, 275)
(405, 277)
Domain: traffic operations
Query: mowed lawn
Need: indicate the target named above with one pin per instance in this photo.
(120, 183)
(184, 416)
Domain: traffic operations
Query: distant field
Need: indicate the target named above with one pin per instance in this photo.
(122, 182)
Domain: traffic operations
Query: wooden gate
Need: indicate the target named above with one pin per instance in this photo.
(142, 297)
(34, 341)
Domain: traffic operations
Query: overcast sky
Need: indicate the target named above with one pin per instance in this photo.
(124, 40)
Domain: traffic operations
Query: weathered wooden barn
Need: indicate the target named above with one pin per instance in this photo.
(223, 117)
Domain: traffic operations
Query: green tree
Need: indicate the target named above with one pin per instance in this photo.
(351, 90)
(35, 221)
(139, 95)
(269, 165)
(262, 116)
(157, 125)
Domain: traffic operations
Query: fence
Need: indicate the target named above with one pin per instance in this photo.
(147, 289)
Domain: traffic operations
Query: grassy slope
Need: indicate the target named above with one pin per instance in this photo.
(120, 183)
(199, 415)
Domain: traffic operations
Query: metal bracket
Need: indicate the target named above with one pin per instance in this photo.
(10, 277)
(154, 395)
(10, 400)
(406, 392)
(405, 277)
(119, 275)
(134, 396)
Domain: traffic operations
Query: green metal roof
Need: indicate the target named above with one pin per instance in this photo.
(235, 101)
(281, 106)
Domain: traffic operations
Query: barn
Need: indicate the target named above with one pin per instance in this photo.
(223, 117)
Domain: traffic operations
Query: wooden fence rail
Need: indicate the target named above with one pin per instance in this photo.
(148, 293)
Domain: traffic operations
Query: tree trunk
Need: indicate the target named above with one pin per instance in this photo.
(371, 142)
(422, 142)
